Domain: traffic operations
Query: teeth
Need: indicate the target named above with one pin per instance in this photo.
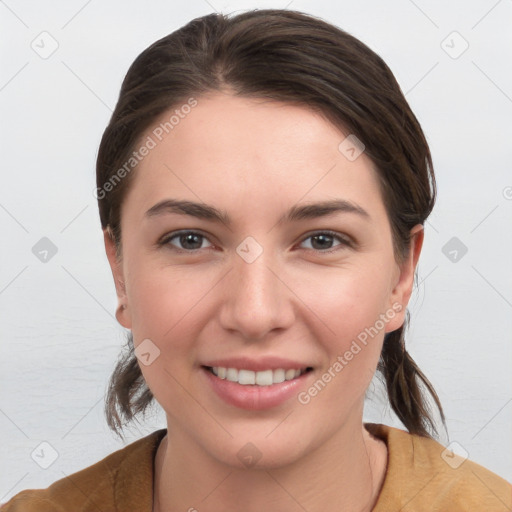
(290, 374)
(232, 374)
(262, 378)
(246, 377)
(278, 376)
(265, 378)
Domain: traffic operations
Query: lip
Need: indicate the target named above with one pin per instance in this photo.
(254, 397)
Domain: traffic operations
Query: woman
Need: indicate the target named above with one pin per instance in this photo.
(262, 188)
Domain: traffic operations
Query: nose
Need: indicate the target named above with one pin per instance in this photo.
(256, 298)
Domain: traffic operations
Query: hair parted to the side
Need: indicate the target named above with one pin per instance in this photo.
(292, 57)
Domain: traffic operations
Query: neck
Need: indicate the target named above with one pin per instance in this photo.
(349, 471)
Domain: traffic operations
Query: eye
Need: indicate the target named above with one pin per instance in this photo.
(189, 240)
(322, 240)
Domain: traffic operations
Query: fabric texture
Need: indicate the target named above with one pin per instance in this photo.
(421, 476)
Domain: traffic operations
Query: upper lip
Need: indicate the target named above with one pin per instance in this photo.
(257, 364)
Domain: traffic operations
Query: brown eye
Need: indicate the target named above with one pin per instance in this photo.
(322, 241)
(190, 241)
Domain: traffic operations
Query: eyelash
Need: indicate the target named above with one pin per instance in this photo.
(167, 238)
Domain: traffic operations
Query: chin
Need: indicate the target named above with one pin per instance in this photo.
(259, 453)
(249, 458)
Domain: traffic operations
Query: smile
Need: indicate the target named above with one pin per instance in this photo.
(257, 378)
(256, 383)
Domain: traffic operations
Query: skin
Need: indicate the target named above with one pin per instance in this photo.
(255, 159)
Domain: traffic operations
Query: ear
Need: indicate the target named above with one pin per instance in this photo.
(404, 281)
(122, 314)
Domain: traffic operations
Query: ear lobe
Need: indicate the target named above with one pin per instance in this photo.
(403, 288)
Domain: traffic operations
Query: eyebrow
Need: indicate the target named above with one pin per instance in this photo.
(295, 213)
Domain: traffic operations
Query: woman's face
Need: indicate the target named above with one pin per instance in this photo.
(279, 286)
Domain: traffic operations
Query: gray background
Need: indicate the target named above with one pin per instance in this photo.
(59, 337)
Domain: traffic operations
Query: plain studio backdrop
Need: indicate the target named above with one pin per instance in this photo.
(62, 67)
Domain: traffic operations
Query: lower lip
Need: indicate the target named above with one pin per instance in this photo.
(254, 397)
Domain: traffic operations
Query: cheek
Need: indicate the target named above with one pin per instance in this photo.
(351, 335)
(167, 308)
(347, 301)
(160, 297)
(352, 305)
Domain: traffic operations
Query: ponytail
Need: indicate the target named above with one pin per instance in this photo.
(402, 377)
(128, 394)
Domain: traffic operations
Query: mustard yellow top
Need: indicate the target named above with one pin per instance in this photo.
(421, 476)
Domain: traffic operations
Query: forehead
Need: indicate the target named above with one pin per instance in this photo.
(242, 152)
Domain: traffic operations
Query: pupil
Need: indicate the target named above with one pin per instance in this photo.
(186, 238)
(322, 237)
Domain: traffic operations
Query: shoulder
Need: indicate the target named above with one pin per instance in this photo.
(125, 475)
(423, 475)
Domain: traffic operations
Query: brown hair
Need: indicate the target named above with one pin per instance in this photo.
(292, 57)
